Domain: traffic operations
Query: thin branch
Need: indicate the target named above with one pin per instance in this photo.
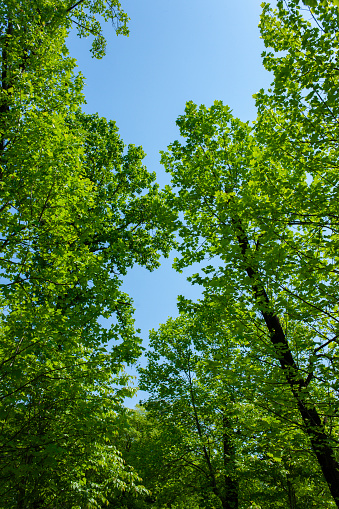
(74, 6)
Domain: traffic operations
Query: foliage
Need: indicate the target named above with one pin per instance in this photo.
(168, 470)
(314, 3)
(263, 203)
(223, 180)
(78, 209)
(35, 21)
(85, 13)
(244, 384)
(209, 395)
(191, 408)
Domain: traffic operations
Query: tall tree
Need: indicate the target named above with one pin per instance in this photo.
(186, 398)
(208, 388)
(78, 209)
(223, 178)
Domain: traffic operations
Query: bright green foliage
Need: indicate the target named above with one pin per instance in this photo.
(85, 13)
(150, 448)
(35, 21)
(325, 3)
(263, 263)
(262, 204)
(78, 209)
(297, 128)
(216, 401)
(147, 445)
(192, 409)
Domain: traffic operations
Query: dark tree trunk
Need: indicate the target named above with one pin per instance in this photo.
(205, 452)
(312, 423)
(21, 498)
(292, 500)
(231, 486)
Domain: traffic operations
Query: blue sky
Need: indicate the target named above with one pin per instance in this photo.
(177, 51)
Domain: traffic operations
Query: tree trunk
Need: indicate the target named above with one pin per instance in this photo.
(205, 452)
(292, 500)
(231, 488)
(21, 498)
(314, 428)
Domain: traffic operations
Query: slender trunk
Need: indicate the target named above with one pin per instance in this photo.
(314, 428)
(205, 452)
(292, 500)
(230, 499)
(21, 498)
(22, 502)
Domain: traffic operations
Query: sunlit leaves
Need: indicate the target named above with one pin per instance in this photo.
(261, 202)
(78, 209)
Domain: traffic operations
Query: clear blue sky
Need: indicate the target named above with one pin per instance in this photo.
(177, 51)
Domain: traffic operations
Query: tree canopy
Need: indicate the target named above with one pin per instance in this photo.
(261, 202)
(78, 209)
(235, 436)
(243, 407)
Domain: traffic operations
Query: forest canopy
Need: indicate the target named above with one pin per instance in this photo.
(243, 389)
